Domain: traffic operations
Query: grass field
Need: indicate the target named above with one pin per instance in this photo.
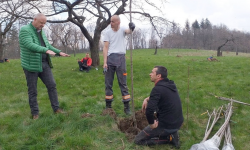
(81, 92)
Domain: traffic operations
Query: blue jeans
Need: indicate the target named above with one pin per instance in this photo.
(47, 78)
(155, 136)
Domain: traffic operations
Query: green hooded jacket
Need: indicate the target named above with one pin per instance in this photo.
(31, 49)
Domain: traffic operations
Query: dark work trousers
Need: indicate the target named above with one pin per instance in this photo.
(116, 64)
(47, 78)
(81, 67)
(155, 136)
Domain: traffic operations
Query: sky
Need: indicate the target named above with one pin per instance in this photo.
(235, 14)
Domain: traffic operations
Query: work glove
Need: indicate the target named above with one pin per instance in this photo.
(84, 65)
(104, 70)
(131, 26)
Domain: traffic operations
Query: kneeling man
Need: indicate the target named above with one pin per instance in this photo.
(164, 100)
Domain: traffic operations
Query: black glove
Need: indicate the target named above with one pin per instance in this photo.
(131, 26)
(104, 70)
(84, 65)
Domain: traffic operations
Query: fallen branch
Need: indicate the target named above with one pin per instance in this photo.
(230, 99)
(123, 147)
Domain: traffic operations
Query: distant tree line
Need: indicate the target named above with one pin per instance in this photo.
(204, 35)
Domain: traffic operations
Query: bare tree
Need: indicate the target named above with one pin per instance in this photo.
(82, 41)
(221, 37)
(73, 39)
(12, 43)
(54, 32)
(137, 36)
(152, 41)
(8, 16)
(240, 43)
(81, 12)
(6, 22)
(61, 34)
(144, 34)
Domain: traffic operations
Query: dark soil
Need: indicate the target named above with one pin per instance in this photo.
(127, 125)
(214, 59)
(141, 119)
(131, 132)
(87, 115)
(109, 112)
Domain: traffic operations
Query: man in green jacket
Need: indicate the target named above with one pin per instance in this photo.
(36, 62)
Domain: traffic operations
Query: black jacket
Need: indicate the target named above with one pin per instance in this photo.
(165, 100)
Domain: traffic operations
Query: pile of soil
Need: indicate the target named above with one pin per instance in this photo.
(126, 125)
(110, 112)
(214, 59)
(87, 115)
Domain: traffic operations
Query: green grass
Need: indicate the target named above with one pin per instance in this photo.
(81, 92)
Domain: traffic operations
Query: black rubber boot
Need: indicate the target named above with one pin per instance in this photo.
(176, 139)
(127, 108)
(108, 105)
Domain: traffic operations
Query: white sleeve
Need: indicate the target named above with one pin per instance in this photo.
(106, 37)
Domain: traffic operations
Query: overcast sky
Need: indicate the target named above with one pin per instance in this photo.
(235, 14)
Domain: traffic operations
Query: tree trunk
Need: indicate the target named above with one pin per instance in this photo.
(1, 49)
(94, 49)
(219, 53)
(236, 50)
(66, 50)
(1, 53)
(155, 50)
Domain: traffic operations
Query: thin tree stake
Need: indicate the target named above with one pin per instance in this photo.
(187, 97)
(131, 66)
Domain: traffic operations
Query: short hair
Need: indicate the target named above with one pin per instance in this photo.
(116, 17)
(39, 15)
(162, 70)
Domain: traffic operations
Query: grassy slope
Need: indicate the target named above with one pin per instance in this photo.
(81, 92)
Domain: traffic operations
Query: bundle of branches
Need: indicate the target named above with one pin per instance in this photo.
(214, 142)
(216, 116)
(228, 138)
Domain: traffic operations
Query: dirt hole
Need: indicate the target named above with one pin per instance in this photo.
(126, 125)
